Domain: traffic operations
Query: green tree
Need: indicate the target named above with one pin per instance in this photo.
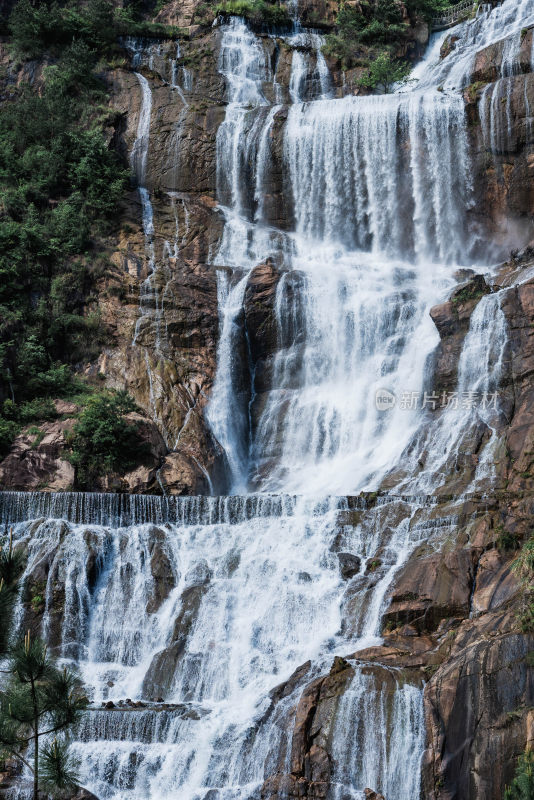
(522, 787)
(384, 72)
(10, 568)
(103, 440)
(40, 700)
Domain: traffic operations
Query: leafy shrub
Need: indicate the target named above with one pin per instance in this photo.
(8, 431)
(523, 566)
(259, 13)
(374, 24)
(384, 72)
(522, 787)
(41, 409)
(103, 441)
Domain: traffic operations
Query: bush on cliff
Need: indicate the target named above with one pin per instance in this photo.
(523, 566)
(259, 13)
(364, 30)
(522, 787)
(103, 441)
(384, 72)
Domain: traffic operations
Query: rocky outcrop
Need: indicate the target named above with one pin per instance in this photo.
(518, 305)
(451, 622)
(36, 460)
(310, 761)
(503, 140)
(162, 673)
(39, 457)
(452, 321)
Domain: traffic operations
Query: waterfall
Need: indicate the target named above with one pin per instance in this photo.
(473, 407)
(378, 184)
(257, 578)
(189, 614)
(310, 78)
(503, 22)
(353, 184)
(378, 744)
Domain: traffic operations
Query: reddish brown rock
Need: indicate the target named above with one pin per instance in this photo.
(36, 459)
(430, 589)
(452, 321)
(476, 715)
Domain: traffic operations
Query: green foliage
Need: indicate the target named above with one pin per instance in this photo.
(58, 769)
(10, 569)
(40, 699)
(523, 566)
(372, 25)
(522, 787)
(507, 541)
(42, 409)
(259, 13)
(59, 188)
(384, 72)
(103, 441)
(8, 431)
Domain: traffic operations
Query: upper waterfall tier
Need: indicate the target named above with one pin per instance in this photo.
(506, 20)
(380, 192)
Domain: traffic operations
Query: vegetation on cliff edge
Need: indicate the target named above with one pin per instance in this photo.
(60, 183)
(522, 787)
(373, 27)
(259, 13)
(103, 441)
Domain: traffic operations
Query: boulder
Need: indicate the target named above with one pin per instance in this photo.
(369, 794)
(430, 589)
(349, 565)
(36, 459)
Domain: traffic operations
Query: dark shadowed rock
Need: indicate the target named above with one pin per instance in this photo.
(349, 565)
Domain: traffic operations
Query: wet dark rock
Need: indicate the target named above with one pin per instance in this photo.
(369, 794)
(199, 575)
(452, 321)
(160, 675)
(431, 589)
(349, 565)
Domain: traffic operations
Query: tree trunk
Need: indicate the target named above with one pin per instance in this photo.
(36, 742)
(36, 765)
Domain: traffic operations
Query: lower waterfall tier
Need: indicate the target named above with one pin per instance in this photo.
(219, 623)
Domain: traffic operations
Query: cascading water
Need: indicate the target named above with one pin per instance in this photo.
(504, 22)
(259, 583)
(378, 184)
(211, 603)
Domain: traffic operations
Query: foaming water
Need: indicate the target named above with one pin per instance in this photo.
(209, 615)
(377, 186)
(473, 411)
(354, 184)
(388, 759)
(503, 22)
